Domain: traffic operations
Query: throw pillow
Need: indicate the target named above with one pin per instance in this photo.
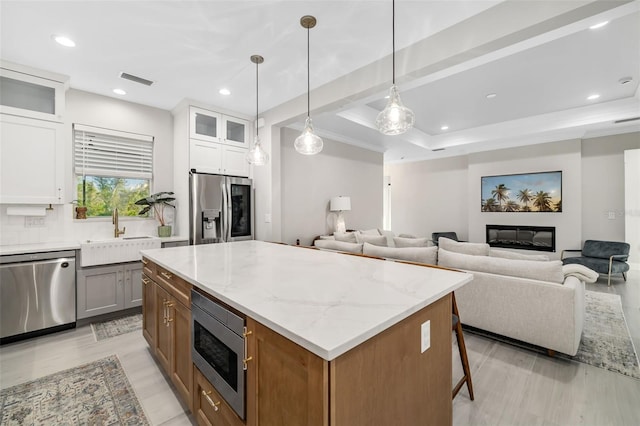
(369, 232)
(327, 237)
(377, 240)
(504, 254)
(410, 242)
(389, 235)
(427, 255)
(581, 272)
(338, 246)
(550, 271)
(347, 237)
(476, 249)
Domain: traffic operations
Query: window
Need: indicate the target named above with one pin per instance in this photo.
(112, 168)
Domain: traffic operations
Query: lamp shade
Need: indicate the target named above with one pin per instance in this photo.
(340, 203)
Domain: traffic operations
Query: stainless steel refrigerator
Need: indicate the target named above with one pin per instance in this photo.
(220, 208)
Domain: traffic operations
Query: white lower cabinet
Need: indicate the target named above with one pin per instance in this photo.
(32, 161)
(210, 157)
(108, 288)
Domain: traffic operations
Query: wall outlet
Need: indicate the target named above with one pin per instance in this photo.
(34, 222)
(425, 333)
(612, 215)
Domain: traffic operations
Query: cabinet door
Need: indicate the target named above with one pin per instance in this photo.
(149, 314)
(30, 96)
(236, 131)
(100, 291)
(205, 157)
(286, 384)
(209, 407)
(204, 124)
(133, 285)
(32, 161)
(234, 161)
(163, 337)
(181, 363)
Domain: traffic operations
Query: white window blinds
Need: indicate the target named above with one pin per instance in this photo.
(104, 152)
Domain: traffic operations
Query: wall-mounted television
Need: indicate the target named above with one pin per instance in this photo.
(518, 193)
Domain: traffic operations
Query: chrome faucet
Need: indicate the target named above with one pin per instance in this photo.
(114, 219)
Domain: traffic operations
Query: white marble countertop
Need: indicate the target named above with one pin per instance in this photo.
(61, 245)
(326, 302)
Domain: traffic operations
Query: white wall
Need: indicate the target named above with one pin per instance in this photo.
(429, 196)
(564, 156)
(99, 111)
(309, 182)
(632, 204)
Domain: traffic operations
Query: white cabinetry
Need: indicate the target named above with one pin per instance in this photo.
(104, 289)
(211, 126)
(32, 145)
(209, 157)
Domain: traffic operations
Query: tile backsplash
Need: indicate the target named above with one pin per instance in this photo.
(58, 225)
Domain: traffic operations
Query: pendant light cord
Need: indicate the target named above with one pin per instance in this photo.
(257, 98)
(393, 40)
(308, 78)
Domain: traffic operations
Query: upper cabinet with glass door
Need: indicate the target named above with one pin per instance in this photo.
(211, 126)
(25, 94)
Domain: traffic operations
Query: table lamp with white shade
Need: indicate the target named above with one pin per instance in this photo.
(340, 204)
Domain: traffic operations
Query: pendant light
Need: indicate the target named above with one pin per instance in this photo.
(308, 143)
(395, 118)
(256, 155)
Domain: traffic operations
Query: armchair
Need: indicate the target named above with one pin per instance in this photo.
(604, 257)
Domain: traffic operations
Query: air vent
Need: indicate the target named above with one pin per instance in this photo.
(626, 120)
(437, 149)
(136, 79)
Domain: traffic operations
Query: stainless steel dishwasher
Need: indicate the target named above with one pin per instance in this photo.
(37, 294)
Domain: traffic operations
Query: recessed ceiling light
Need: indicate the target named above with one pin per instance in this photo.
(625, 80)
(593, 97)
(225, 92)
(444, 128)
(491, 95)
(64, 41)
(119, 92)
(598, 25)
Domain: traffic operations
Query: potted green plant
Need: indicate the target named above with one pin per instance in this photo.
(157, 202)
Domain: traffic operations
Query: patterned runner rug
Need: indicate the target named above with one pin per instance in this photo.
(97, 393)
(606, 342)
(116, 327)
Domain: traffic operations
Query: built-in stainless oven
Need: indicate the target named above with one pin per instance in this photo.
(219, 349)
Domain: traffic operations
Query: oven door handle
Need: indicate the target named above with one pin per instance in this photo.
(245, 358)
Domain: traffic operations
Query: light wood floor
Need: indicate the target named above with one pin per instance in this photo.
(513, 386)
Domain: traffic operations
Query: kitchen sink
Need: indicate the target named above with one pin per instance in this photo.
(115, 250)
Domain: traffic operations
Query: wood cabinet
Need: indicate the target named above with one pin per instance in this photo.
(167, 325)
(386, 380)
(209, 408)
(111, 288)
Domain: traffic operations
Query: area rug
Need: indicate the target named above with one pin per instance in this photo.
(93, 394)
(605, 339)
(116, 327)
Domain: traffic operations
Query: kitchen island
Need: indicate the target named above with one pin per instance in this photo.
(333, 338)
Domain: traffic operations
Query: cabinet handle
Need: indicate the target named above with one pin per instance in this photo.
(210, 401)
(144, 261)
(145, 281)
(167, 275)
(169, 304)
(246, 358)
(165, 312)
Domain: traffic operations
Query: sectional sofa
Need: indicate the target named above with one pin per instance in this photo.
(528, 298)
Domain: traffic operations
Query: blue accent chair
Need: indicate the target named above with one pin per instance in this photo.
(604, 257)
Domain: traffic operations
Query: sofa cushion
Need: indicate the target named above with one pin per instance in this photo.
(339, 246)
(410, 242)
(389, 235)
(376, 240)
(581, 272)
(347, 237)
(477, 249)
(550, 271)
(327, 237)
(505, 254)
(598, 264)
(428, 255)
(369, 232)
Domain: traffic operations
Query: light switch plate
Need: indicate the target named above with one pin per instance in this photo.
(612, 215)
(267, 218)
(425, 332)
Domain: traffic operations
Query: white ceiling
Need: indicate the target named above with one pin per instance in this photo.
(191, 49)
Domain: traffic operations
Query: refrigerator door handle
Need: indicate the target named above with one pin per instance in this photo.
(226, 208)
(227, 237)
